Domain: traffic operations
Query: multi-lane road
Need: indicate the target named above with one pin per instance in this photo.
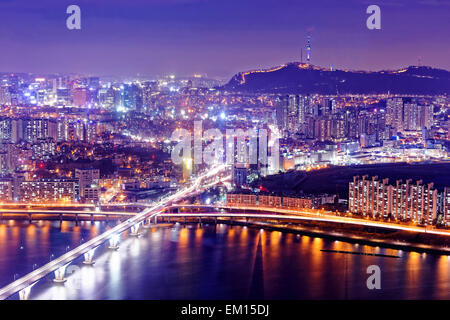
(307, 216)
(317, 215)
(58, 212)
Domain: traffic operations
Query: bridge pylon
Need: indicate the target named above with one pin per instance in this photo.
(24, 294)
(135, 230)
(89, 257)
(60, 274)
(114, 242)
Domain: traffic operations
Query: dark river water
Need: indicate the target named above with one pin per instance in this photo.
(216, 262)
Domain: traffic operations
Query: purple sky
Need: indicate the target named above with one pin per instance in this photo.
(218, 37)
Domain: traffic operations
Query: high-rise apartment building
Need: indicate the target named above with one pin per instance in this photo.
(406, 201)
(446, 199)
(370, 197)
(49, 190)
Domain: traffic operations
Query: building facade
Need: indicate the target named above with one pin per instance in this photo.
(405, 201)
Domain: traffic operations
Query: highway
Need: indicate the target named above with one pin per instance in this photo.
(74, 205)
(280, 213)
(62, 261)
(58, 212)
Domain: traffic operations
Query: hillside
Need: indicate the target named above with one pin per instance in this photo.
(303, 78)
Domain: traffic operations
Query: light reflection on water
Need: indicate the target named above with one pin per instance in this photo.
(223, 262)
(24, 246)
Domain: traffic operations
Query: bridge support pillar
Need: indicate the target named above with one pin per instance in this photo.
(215, 219)
(59, 274)
(114, 242)
(92, 218)
(24, 294)
(156, 219)
(184, 220)
(135, 230)
(246, 219)
(60, 217)
(30, 218)
(76, 219)
(200, 220)
(106, 218)
(89, 257)
(168, 219)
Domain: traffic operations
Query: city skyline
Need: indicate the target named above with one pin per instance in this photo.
(185, 37)
(245, 150)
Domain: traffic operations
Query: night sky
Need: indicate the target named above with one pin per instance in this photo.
(218, 37)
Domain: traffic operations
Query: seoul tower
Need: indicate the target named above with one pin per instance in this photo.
(308, 49)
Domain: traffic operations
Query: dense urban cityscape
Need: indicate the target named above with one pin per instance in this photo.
(79, 139)
(182, 174)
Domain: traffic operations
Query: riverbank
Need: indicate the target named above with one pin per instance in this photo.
(400, 240)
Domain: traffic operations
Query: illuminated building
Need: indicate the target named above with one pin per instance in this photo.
(33, 129)
(49, 190)
(370, 197)
(304, 202)
(291, 112)
(80, 97)
(106, 97)
(322, 129)
(5, 190)
(93, 83)
(187, 168)
(394, 113)
(446, 198)
(241, 199)
(64, 97)
(86, 178)
(240, 171)
(91, 193)
(5, 97)
(6, 128)
(281, 112)
(416, 202)
(292, 102)
(269, 201)
(404, 201)
(406, 114)
(43, 149)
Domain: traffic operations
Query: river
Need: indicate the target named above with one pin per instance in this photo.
(216, 262)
